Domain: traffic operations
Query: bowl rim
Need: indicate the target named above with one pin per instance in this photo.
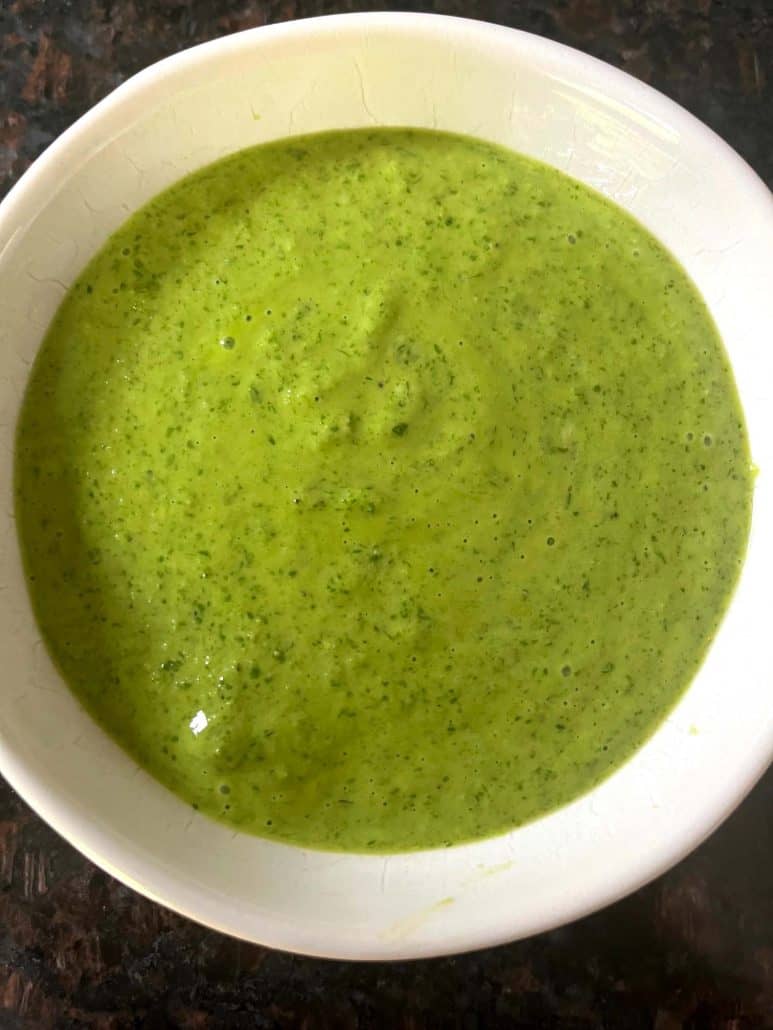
(43, 174)
(41, 168)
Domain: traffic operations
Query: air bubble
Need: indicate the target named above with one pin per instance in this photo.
(227, 342)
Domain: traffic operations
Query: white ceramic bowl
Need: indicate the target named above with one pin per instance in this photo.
(542, 99)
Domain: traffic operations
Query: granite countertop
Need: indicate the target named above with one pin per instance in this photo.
(694, 949)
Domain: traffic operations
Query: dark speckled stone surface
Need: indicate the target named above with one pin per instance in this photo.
(693, 950)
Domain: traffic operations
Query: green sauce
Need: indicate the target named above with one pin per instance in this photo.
(380, 490)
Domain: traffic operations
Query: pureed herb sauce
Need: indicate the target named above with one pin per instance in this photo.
(381, 489)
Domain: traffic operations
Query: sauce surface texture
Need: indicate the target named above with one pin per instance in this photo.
(381, 489)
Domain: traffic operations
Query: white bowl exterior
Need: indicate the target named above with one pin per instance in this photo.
(539, 98)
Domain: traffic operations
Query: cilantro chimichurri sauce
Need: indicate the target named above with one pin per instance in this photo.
(381, 489)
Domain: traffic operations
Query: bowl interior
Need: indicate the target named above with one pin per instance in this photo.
(539, 98)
